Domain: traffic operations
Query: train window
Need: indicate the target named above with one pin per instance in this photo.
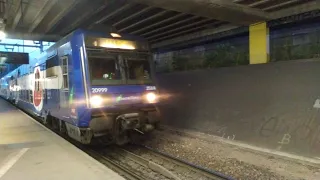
(30, 96)
(138, 69)
(65, 81)
(51, 62)
(64, 61)
(64, 64)
(105, 70)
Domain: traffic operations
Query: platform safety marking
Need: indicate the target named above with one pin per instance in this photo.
(11, 161)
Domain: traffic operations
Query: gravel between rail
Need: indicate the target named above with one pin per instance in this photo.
(227, 159)
(138, 162)
(182, 169)
(120, 166)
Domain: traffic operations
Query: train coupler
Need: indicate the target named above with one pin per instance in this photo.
(129, 121)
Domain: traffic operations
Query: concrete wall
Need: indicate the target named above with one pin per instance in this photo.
(286, 43)
(269, 105)
(227, 52)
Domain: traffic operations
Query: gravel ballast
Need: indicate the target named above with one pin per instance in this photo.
(237, 162)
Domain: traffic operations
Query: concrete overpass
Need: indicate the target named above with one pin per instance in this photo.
(161, 22)
(141, 17)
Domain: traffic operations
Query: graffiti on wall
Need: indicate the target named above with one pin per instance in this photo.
(283, 132)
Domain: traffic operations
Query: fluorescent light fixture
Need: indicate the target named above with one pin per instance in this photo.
(115, 35)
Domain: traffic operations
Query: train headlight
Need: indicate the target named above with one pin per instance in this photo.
(96, 101)
(151, 97)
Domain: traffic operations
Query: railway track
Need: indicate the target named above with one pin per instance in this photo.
(139, 162)
(181, 169)
(120, 168)
(129, 165)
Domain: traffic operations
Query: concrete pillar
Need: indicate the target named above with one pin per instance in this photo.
(259, 43)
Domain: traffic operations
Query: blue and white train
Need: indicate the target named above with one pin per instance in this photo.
(94, 87)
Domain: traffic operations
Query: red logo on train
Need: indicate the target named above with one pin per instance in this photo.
(37, 93)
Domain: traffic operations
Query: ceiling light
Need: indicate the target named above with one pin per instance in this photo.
(2, 35)
(115, 35)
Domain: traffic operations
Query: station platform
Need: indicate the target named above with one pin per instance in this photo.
(29, 151)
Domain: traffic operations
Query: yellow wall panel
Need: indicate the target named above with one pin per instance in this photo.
(259, 43)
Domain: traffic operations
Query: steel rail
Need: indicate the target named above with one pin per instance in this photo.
(120, 169)
(211, 174)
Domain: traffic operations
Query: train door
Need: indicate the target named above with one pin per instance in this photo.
(52, 87)
(64, 91)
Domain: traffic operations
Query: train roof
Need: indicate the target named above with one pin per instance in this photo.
(108, 35)
(93, 33)
(87, 33)
(53, 49)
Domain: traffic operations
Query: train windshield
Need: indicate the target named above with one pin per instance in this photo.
(137, 70)
(118, 61)
(119, 69)
(105, 70)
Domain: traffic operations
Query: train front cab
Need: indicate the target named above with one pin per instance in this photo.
(121, 95)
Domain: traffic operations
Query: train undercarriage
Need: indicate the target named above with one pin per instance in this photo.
(114, 128)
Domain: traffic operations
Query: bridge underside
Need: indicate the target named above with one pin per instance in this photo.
(157, 21)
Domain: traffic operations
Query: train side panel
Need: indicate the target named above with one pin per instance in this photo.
(80, 85)
(58, 103)
(52, 84)
(41, 87)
